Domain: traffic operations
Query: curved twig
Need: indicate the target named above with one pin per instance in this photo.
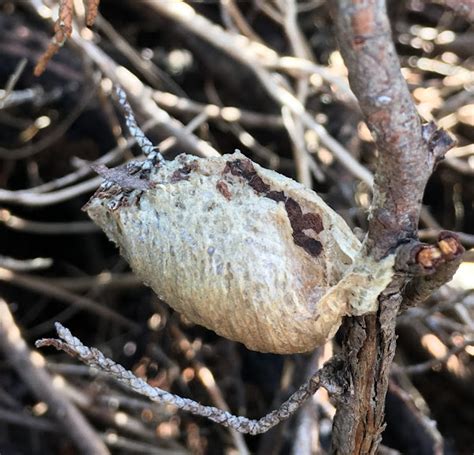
(93, 357)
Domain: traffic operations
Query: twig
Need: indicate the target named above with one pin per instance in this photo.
(92, 11)
(41, 383)
(443, 259)
(93, 357)
(110, 157)
(294, 124)
(22, 265)
(103, 280)
(143, 142)
(45, 227)
(12, 80)
(230, 114)
(433, 363)
(209, 383)
(18, 97)
(243, 26)
(63, 30)
(38, 285)
(241, 134)
(109, 416)
(151, 72)
(306, 440)
(129, 446)
(25, 420)
(139, 95)
(464, 8)
(55, 197)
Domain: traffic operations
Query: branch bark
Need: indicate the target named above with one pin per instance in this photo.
(407, 154)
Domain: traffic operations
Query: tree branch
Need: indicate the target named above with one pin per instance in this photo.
(407, 154)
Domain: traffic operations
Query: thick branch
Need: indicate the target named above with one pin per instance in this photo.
(407, 154)
(407, 151)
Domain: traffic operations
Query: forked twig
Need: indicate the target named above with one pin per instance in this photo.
(93, 357)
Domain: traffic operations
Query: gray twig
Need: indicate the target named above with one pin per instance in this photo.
(144, 143)
(93, 357)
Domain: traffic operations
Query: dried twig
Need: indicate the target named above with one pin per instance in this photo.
(38, 285)
(63, 30)
(22, 265)
(433, 234)
(93, 357)
(141, 96)
(41, 383)
(11, 417)
(143, 142)
(103, 280)
(423, 367)
(29, 198)
(92, 11)
(12, 81)
(46, 227)
(230, 114)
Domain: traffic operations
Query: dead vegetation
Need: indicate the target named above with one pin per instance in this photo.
(206, 78)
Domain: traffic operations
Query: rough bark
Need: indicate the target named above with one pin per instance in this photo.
(407, 154)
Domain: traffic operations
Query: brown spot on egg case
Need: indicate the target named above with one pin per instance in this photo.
(245, 169)
(299, 221)
(223, 188)
(183, 172)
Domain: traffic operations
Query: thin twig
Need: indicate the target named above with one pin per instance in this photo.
(93, 357)
(143, 142)
(62, 31)
(12, 81)
(22, 419)
(207, 380)
(230, 114)
(421, 368)
(103, 280)
(45, 227)
(151, 72)
(111, 156)
(28, 198)
(23, 265)
(433, 234)
(38, 285)
(141, 97)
